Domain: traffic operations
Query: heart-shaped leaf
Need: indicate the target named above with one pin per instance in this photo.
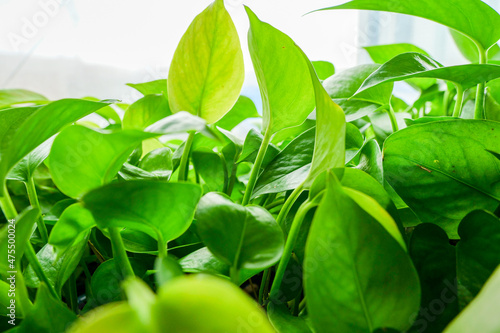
(241, 236)
(283, 77)
(162, 210)
(206, 73)
(348, 257)
(448, 172)
(82, 159)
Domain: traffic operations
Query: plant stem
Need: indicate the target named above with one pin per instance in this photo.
(30, 253)
(10, 213)
(234, 274)
(458, 104)
(30, 187)
(256, 168)
(232, 180)
(275, 204)
(289, 245)
(73, 294)
(119, 253)
(446, 100)
(394, 120)
(184, 164)
(479, 107)
(263, 285)
(288, 204)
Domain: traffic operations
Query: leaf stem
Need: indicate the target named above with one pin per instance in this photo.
(458, 104)
(264, 284)
(289, 245)
(288, 204)
(73, 293)
(256, 167)
(119, 252)
(234, 274)
(275, 204)
(394, 120)
(184, 164)
(33, 198)
(479, 107)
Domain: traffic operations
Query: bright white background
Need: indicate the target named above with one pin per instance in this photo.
(77, 48)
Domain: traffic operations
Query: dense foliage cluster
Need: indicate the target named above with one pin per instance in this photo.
(344, 209)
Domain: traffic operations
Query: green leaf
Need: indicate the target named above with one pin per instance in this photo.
(23, 229)
(324, 69)
(251, 146)
(283, 77)
(217, 306)
(106, 282)
(283, 321)
(158, 162)
(469, 49)
(370, 160)
(48, 314)
(416, 65)
(383, 53)
(10, 97)
(74, 221)
(146, 111)
(348, 257)
(57, 264)
(116, 317)
(346, 83)
(25, 169)
(448, 172)
(82, 159)
(151, 87)
(166, 269)
(289, 168)
(40, 126)
(478, 252)
(481, 314)
(329, 142)
(141, 205)
(435, 261)
(473, 18)
(203, 261)
(206, 73)
(181, 122)
(242, 110)
(211, 168)
(243, 237)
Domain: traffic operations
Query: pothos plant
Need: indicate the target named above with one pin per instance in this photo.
(368, 214)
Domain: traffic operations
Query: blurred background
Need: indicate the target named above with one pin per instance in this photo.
(77, 48)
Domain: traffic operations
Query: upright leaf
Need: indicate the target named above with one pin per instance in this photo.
(146, 111)
(283, 77)
(206, 73)
(357, 277)
(329, 143)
